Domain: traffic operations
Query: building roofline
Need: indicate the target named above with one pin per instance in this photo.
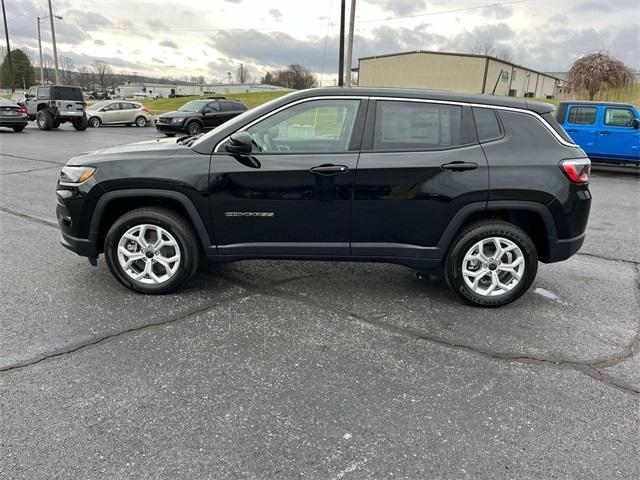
(456, 54)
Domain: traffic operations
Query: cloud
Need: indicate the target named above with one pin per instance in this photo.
(155, 23)
(399, 7)
(275, 14)
(591, 7)
(157, 60)
(497, 11)
(169, 44)
(88, 19)
(99, 42)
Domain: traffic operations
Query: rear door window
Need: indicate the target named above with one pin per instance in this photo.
(68, 93)
(404, 125)
(226, 107)
(582, 115)
(618, 117)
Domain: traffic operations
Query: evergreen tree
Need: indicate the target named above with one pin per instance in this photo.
(23, 74)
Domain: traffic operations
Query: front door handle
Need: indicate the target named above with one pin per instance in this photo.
(602, 134)
(329, 170)
(459, 166)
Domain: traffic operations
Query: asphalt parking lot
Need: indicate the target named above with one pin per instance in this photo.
(309, 370)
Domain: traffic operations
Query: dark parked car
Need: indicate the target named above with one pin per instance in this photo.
(51, 105)
(12, 115)
(480, 187)
(196, 116)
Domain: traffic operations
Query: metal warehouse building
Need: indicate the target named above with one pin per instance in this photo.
(456, 71)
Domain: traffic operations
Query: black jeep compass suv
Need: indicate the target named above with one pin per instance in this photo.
(477, 186)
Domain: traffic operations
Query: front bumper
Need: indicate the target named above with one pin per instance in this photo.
(169, 128)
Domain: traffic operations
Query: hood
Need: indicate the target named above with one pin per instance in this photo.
(162, 147)
(179, 114)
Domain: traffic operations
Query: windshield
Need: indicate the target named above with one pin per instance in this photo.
(236, 122)
(193, 106)
(97, 105)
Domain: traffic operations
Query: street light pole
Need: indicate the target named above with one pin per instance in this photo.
(352, 20)
(53, 38)
(6, 32)
(341, 48)
(40, 48)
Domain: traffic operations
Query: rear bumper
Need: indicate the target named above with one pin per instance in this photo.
(13, 122)
(561, 249)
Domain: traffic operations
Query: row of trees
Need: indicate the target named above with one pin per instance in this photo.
(294, 76)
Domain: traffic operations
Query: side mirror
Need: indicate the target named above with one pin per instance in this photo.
(635, 123)
(240, 143)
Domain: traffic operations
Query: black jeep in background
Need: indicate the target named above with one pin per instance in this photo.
(478, 187)
(196, 116)
(51, 105)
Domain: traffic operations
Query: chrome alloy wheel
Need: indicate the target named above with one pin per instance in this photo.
(149, 254)
(493, 266)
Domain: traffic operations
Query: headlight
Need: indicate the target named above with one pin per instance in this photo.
(177, 120)
(74, 176)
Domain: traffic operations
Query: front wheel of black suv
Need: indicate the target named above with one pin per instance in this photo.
(491, 263)
(151, 250)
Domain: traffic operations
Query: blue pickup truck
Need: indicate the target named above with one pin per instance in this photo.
(607, 132)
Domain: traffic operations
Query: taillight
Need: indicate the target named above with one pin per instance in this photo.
(22, 110)
(577, 169)
(145, 109)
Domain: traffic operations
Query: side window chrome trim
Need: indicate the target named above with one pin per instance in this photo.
(284, 107)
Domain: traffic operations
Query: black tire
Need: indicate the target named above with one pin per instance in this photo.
(94, 122)
(18, 129)
(56, 124)
(176, 225)
(170, 135)
(81, 123)
(194, 128)
(44, 120)
(141, 121)
(467, 238)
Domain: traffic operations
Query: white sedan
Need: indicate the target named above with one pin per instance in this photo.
(112, 112)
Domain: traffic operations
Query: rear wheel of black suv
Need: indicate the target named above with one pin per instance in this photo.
(151, 250)
(491, 263)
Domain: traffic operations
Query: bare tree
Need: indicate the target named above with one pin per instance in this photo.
(242, 74)
(483, 46)
(67, 65)
(596, 71)
(504, 53)
(294, 76)
(103, 71)
(47, 65)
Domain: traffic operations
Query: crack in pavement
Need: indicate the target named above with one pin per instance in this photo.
(103, 338)
(589, 368)
(31, 218)
(611, 259)
(27, 171)
(32, 159)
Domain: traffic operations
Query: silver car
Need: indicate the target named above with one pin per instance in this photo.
(110, 112)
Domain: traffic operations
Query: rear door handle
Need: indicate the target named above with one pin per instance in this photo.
(459, 166)
(329, 170)
(605, 133)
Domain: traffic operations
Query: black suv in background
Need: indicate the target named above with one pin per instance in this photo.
(479, 187)
(196, 116)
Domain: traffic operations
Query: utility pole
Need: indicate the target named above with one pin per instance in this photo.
(341, 49)
(40, 48)
(352, 21)
(6, 33)
(55, 49)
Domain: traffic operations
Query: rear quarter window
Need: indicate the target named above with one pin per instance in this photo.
(582, 115)
(487, 124)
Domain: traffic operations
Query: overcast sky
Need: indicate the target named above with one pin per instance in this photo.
(206, 37)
